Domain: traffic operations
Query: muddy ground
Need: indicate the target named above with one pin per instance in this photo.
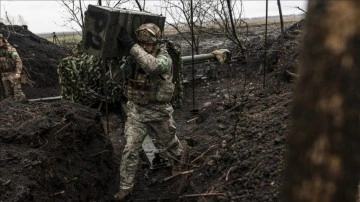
(235, 128)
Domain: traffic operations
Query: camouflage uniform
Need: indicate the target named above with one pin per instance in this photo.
(149, 90)
(10, 64)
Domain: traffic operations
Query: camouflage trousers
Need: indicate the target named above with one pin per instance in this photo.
(12, 87)
(135, 133)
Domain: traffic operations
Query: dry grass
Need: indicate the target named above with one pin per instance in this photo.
(73, 37)
(251, 22)
(63, 37)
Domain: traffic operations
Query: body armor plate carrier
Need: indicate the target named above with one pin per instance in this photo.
(140, 91)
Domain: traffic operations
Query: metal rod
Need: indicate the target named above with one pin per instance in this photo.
(192, 52)
(103, 75)
(197, 58)
(45, 99)
(265, 46)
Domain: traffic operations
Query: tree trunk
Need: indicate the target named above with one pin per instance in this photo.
(233, 28)
(281, 19)
(281, 66)
(139, 5)
(324, 141)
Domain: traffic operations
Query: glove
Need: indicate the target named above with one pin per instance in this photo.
(124, 40)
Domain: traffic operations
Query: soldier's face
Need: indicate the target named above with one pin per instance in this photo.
(1, 42)
(148, 47)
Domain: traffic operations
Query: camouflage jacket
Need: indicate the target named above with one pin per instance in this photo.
(153, 65)
(9, 59)
(155, 72)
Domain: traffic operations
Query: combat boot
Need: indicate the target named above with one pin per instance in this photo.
(21, 99)
(121, 194)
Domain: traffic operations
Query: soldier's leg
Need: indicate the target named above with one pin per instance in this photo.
(135, 133)
(2, 89)
(18, 93)
(166, 131)
(6, 80)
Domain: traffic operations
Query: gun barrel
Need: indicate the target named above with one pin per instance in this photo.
(221, 55)
(198, 58)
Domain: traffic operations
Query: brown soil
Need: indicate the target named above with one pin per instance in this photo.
(235, 128)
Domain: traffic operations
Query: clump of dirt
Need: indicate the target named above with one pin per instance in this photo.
(53, 151)
(235, 128)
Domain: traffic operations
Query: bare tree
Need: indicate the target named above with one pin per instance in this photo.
(233, 28)
(114, 4)
(281, 18)
(282, 48)
(226, 17)
(74, 11)
(21, 20)
(323, 145)
(11, 20)
(180, 16)
(141, 7)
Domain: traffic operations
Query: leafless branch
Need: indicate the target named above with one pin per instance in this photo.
(74, 12)
(201, 195)
(301, 9)
(177, 174)
(202, 155)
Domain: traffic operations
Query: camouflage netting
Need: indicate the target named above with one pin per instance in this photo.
(81, 79)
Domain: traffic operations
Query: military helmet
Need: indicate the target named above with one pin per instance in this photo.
(148, 33)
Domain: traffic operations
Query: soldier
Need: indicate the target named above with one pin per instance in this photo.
(149, 90)
(10, 69)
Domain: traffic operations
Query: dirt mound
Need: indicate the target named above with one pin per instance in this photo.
(40, 59)
(53, 151)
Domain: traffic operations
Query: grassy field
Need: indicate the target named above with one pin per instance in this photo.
(251, 22)
(74, 37)
(62, 37)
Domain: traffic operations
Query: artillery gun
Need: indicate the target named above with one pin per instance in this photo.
(80, 76)
(94, 77)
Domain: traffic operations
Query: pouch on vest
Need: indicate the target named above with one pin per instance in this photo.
(7, 65)
(165, 91)
(138, 92)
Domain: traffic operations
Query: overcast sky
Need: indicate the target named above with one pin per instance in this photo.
(44, 16)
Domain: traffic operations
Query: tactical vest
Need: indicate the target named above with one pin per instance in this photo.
(144, 89)
(6, 63)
